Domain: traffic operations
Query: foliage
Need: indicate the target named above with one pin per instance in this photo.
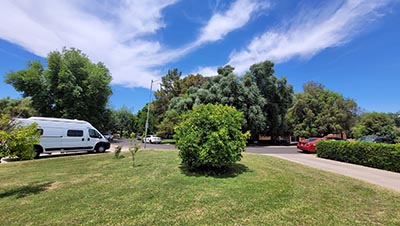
(141, 120)
(375, 123)
(124, 121)
(396, 118)
(228, 89)
(278, 97)
(117, 152)
(134, 148)
(168, 89)
(71, 86)
(17, 140)
(17, 108)
(166, 127)
(318, 112)
(377, 155)
(209, 137)
(172, 86)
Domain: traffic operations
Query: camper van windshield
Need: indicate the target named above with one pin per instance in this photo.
(94, 134)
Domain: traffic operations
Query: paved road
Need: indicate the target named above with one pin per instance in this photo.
(125, 144)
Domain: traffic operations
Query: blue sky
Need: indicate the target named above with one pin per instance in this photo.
(352, 47)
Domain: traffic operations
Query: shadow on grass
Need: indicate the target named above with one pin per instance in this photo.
(24, 191)
(232, 171)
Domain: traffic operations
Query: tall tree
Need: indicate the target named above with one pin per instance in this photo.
(141, 120)
(228, 89)
(166, 127)
(318, 112)
(169, 88)
(20, 108)
(124, 120)
(71, 86)
(278, 96)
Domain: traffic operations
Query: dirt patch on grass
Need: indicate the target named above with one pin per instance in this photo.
(52, 186)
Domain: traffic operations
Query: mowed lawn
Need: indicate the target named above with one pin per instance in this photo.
(99, 190)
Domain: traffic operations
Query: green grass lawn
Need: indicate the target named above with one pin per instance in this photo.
(261, 190)
(168, 141)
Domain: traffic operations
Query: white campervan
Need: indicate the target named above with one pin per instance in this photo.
(66, 135)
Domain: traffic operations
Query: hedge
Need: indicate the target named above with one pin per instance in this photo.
(376, 155)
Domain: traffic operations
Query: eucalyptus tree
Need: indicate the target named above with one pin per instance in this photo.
(278, 95)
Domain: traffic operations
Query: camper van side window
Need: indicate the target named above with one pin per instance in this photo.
(75, 133)
(94, 134)
(40, 131)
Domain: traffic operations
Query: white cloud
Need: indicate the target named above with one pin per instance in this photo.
(309, 33)
(106, 31)
(114, 32)
(235, 17)
(206, 71)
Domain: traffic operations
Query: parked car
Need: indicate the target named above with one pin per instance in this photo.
(108, 136)
(335, 138)
(308, 145)
(152, 139)
(377, 139)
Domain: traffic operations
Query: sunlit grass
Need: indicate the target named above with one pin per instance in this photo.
(260, 190)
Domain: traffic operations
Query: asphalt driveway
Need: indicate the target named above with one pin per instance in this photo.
(375, 176)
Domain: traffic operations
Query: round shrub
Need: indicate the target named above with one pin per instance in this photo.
(210, 137)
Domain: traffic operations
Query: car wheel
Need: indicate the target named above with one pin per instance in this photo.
(100, 149)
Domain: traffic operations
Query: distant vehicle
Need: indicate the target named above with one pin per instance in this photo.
(335, 138)
(152, 139)
(66, 135)
(377, 139)
(308, 145)
(108, 136)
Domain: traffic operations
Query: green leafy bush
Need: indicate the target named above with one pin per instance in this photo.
(16, 140)
(376, 155)
(209, 137)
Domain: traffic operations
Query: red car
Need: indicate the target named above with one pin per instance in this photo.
(308, 145)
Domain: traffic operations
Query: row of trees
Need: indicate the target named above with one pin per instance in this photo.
(73, 87)
(259, 95)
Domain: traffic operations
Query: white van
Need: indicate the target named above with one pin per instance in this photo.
(65, 135)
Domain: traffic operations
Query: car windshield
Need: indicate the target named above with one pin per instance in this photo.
(368, 138)
(311, 139)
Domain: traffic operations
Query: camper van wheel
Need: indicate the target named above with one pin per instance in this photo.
(38, 150)
(100, 149)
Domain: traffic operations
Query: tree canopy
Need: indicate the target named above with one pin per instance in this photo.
(278, 97)
(318, 112)
(376, 123)
(70, 87)
(259, 95)
(20, 108)
(124, 121)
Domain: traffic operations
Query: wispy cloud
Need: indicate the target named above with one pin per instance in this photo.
(235, 17)
(206, 71)
(119, 33)
(309, 33)
(108, 32)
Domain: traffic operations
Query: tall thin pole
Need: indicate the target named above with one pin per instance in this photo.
(148, 112)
